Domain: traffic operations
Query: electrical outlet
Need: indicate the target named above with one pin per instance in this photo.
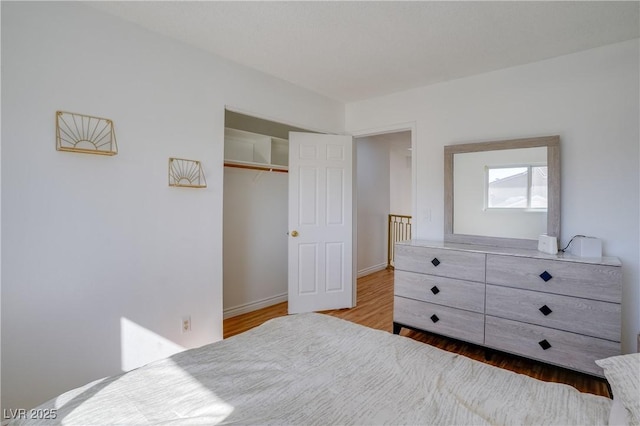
(186, 323)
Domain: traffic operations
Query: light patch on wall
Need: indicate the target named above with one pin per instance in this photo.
(141, 346)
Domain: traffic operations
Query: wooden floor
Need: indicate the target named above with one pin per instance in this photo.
(375, 309)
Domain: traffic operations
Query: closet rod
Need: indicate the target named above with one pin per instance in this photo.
(262, 168)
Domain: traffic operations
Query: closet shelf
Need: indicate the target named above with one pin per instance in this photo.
(256, 166)
(247, 150)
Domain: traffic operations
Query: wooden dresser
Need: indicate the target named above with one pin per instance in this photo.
(558, 309)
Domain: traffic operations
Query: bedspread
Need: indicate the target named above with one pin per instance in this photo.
(311, 369)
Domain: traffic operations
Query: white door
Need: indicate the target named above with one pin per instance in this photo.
(320, 222)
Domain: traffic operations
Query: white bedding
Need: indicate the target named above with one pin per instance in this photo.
(315, 369)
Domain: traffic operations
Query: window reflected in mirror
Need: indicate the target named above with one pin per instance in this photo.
(519, 187)
(501, 193)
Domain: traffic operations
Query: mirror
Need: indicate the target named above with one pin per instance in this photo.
(502, 193)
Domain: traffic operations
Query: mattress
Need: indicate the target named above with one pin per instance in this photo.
(313, 369)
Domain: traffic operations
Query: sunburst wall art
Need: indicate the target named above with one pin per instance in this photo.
(84, 133)
(186, 173)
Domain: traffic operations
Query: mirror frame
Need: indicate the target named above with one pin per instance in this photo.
(553, 186)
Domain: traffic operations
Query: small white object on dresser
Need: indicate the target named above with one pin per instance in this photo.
(560, 309)
(586, 246)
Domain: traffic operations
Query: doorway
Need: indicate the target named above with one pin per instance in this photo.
(384, 176)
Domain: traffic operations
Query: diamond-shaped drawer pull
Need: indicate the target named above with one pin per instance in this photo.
(546, 276)
(545, 310)
(544, 344)
(435, 261)
(435, 290)
(435, 318)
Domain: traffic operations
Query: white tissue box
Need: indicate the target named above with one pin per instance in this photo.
(586, 247)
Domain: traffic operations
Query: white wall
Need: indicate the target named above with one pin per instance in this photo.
(373, 203)
(91, 243)
(400, 174)
(590, 99)
(255, 239)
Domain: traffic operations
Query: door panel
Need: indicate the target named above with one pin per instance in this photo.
(308, 196)
(308, 258)
(335, 267)
(335, 197)
(321, 214)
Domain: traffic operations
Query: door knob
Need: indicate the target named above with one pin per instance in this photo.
(294, 233)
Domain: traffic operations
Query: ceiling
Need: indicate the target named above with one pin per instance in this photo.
(351, 51)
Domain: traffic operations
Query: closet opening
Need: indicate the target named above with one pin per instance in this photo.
(255, 212)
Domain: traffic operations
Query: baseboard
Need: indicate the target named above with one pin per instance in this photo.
(254, 306)
(371, 269)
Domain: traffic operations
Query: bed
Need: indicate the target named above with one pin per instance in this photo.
(314, 369)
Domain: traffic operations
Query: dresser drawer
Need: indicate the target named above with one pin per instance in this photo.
(570, 350)
(443, 263)
(584, 316)
(468, 295)
(589, 281)
(457, 323)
